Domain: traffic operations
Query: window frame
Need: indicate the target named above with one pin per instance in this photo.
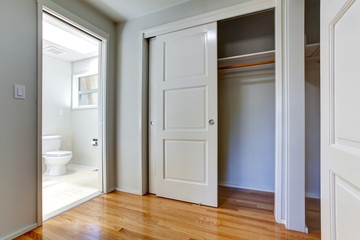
(76, 92)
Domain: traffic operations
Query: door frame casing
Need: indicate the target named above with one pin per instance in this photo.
(70, 18)
(289, 197)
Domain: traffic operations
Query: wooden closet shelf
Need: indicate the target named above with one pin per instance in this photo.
(247, 65)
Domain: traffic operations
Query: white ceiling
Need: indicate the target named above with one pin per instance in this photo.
(69, 43)
(122, 10)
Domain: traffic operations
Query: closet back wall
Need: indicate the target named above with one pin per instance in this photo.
(312, 102)
(312, 123)
(247, 131)
(244, 35)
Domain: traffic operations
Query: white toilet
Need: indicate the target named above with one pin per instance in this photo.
(55, 159)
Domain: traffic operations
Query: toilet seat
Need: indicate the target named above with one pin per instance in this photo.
(58, 154)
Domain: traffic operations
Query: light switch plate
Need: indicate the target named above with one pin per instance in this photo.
(19, 91)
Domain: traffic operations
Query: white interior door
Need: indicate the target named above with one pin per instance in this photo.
(340, 114)
(186, 115)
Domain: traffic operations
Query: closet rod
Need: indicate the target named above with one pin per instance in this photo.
(247, 65)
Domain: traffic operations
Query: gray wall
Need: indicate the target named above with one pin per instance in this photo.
(18, 64)
(249, 34)
(312, 128)
(130, 89)
(18, 117)
(312, 102)
(246, 132)
(312, 21)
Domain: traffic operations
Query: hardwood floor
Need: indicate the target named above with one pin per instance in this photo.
(243, 214)
(313, 215)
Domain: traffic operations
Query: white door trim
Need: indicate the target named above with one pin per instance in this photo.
(74, 20)
(291, 102)
(279, 209)
(287, 136)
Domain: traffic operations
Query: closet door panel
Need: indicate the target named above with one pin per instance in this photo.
(185, 57)
(185, 160)
(340, 116)
(185, 108)
(186, 92)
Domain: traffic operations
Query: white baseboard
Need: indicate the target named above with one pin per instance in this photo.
(20, 232)
(308, 194)
(83, 164)
(128, 190)
(246, 187)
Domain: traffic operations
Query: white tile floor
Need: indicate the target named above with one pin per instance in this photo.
(62, 192)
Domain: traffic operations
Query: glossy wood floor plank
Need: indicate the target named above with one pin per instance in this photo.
(243, 214)
(313, 215)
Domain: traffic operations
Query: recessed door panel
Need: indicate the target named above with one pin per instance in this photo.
(185, 57)
(185, 161)
(347, 207)
(185, 108)
(346, 39)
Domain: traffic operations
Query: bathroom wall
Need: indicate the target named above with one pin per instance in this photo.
(57, 113)
(85, 122)
(77, 126)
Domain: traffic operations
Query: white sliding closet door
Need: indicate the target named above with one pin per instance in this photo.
(186, 115)
(340, 119)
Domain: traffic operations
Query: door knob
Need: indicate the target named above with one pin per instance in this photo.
(211, 122)
(94, 142)
(152, 123)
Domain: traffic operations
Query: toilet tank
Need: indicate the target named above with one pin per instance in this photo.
(51, 143)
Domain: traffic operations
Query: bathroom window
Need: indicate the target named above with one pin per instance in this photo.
(85, 91)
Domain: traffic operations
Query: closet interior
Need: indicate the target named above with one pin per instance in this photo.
(246, 109)
(312, 115)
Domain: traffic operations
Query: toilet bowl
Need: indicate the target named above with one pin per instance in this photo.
(54, 158)
(56, 162)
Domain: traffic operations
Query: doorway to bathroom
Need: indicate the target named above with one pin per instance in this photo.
(72, 115)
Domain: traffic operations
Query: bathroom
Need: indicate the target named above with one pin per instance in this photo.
(70, 117)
